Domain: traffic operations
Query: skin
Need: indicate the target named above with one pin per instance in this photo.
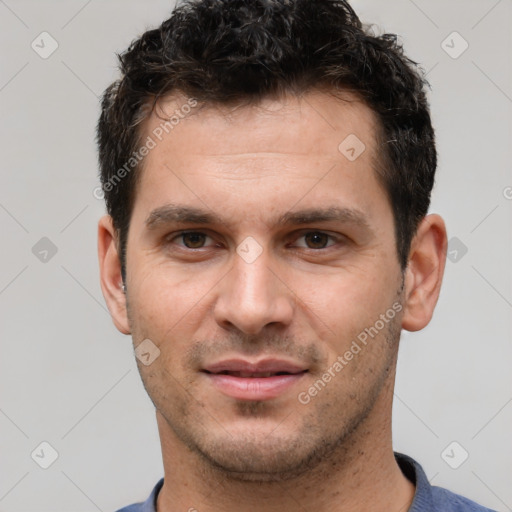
(303, 299)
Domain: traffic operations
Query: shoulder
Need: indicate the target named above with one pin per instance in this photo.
(136, 507)
(448, 501)
(429, 498)
(149, 505)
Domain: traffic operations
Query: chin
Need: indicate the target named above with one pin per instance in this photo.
(260, 457)
(260, 469)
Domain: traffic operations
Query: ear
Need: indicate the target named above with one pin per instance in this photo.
(424, 273)
(110, 274)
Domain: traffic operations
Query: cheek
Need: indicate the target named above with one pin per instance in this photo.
(165, 297)
(349, 301)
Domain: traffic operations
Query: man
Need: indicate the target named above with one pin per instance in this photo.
(267, 168)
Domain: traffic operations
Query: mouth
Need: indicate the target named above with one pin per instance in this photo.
(263, 380)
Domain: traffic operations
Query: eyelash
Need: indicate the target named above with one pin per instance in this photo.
(170, 239)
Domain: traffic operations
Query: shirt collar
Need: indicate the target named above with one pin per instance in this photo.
(414, 472)
(150, 504)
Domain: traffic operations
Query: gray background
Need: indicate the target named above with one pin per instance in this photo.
(69, 378)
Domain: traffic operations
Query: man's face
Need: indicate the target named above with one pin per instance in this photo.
(246, 295)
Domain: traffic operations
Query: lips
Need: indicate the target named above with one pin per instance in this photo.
(251, 374)
(262, 380)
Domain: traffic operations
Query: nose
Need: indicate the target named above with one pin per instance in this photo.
(252, 296)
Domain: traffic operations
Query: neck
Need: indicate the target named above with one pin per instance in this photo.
(360, 474)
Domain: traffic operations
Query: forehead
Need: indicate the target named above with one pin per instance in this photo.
(318, 119)
(316, 149)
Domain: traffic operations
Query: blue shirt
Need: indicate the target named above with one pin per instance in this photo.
(427, 498)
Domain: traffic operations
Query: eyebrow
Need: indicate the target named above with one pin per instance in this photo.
(176, 214)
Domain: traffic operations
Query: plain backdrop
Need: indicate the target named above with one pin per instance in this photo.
(68, 378)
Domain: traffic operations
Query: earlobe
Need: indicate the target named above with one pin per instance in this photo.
(110, 274)
(424, 273)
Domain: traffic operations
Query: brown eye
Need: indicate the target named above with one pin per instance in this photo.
(316, 240)
(193, 240)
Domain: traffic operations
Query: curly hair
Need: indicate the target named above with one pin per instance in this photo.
(242, 51)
